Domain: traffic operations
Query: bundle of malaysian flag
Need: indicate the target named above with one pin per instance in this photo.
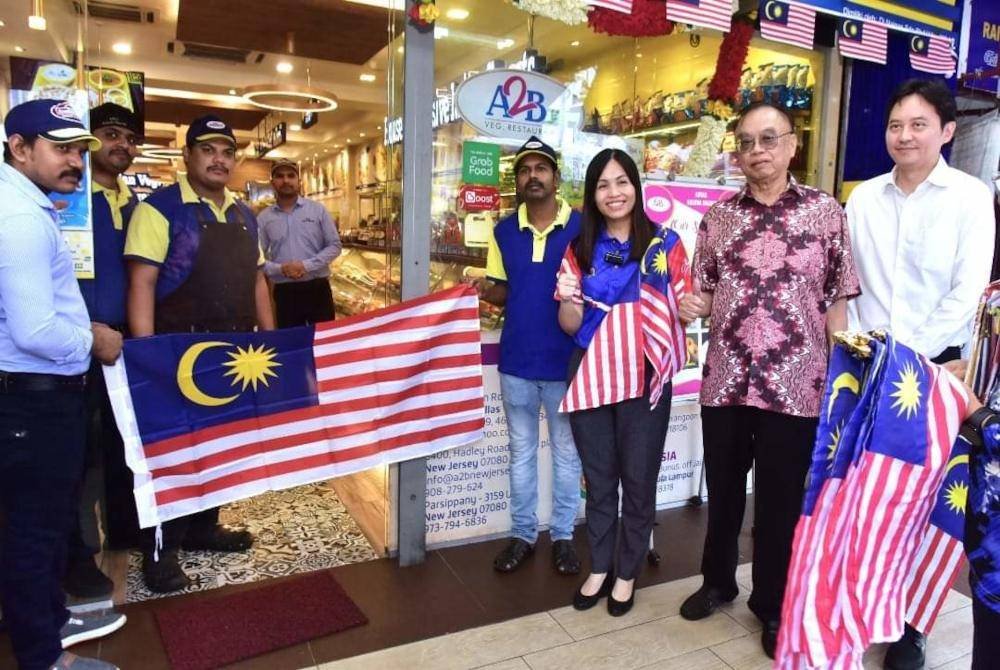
(208, 419)
(879, 542)
(650, 328)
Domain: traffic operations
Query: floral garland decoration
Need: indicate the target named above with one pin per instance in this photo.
(648, 19)
(722, 97)
(423, 14)
(570, 12)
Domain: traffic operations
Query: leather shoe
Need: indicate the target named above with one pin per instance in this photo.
(908, 652)
(513, 555)
(165, 575)
(769, 637)
(621, 607)
(703, 602)
(219, 538)
(85, 581)
(564, 557)
(582, 602)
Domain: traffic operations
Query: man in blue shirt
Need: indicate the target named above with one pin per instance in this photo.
(299, 241)
(46, 341)
(112, 203)
(524, 254)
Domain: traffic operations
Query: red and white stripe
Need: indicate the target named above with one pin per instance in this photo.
(396, 384)
(623, 6)
(799, 29)
(612, 369)
(873, 46)
(664, 342)
(717, 14)
(939, 59)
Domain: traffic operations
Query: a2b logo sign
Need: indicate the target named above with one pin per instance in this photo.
(513, 98)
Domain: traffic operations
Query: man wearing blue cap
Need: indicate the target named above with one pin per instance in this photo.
(112, 203)
(195, 266)
(46, 344)
(525, 250)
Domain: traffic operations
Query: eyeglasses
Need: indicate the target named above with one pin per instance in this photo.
(767, 141)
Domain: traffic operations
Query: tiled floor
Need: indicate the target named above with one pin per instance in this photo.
(652, 637)
(455, 611)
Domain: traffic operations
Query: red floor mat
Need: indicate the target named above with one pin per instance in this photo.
(213, 631)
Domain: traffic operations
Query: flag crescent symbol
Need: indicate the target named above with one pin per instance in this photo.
(185, 376)
(845, 380)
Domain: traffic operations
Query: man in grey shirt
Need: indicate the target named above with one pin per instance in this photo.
(299, 241)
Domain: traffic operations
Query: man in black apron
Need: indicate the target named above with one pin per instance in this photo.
(195, 266)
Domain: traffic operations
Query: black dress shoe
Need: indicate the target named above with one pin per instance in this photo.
(219, 538)
(769, 637)
(582, 602)
(164, 575)
(621, 607)
(908, 652)
(564, 557)
(703, 602)
(513, 555)
(85, 581)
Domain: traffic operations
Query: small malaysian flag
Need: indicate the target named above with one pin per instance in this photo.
(863, 40)
(717, 14)
(788, 22)
(932, 54)
(623, 6)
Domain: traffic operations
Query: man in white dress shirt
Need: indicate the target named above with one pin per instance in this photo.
(922, 237)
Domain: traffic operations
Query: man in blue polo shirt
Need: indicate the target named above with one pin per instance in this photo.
(112, 203)
(524, 254)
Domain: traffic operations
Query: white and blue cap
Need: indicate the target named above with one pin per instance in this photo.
(207, 128)
(52, 120)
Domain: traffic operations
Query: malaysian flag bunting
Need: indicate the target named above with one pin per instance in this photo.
(208, 419)
(623, 6)
(634, 331)
(876, 536)
(717, 14)
(788, 22)
(932, 54)
(863, 40)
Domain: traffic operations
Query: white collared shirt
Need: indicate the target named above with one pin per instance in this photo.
(923, 259)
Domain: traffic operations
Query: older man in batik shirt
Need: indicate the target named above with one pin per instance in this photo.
(775, 271)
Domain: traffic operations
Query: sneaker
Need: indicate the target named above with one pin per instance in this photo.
(83, 627)
(68, 661)
(85, 581)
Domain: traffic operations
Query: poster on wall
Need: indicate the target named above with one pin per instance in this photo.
(35, 79)
(682, 204)
(983, 46)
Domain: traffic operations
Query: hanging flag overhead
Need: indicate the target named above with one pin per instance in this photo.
(623, 6)
(209, 419)
(788, 22)
(717, 14)
(863, 40)
(932, 54)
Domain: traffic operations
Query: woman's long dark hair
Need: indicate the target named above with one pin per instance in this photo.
(593, 221)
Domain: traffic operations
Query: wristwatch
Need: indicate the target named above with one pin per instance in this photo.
(981, 417)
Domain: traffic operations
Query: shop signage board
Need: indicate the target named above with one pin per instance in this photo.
(512, 104)
(474, 198)
(935, 17)
(984, 45)
(480, 163)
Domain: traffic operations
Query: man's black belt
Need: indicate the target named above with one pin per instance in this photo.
(14, 382)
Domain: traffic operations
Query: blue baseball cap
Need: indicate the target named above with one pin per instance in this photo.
(207, 128)
(52, 120)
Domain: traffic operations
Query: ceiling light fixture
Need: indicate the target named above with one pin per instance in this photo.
(2, 23)
(290, 98)
(122, 48)
(440, 32)
(295, 127)
(457, 14)
(36, 20)
(361, 134)
(575, 43)
(284, 67)
(505, 44)
(367, 77)
(232, 91)
(18, 48)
